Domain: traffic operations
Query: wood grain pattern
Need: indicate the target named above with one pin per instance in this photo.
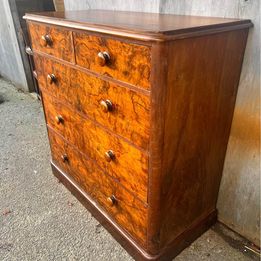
(130, 166)
(62, 46)
(192, 85)
(129, 212)
(129, 62)
(197, 126)
(158, 102)
(131, 110)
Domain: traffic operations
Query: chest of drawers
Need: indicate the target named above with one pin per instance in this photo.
(138, 110)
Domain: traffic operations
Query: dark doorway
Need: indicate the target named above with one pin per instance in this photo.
(18, 9)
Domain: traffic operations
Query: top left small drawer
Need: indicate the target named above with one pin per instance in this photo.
(52, 40)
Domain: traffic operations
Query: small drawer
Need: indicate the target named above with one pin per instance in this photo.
(126, 62)
(127, 210)
(52, 40)
(116, 157)
(120, 109)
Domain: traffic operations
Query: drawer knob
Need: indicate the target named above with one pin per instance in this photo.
(112, 200)
(46, 40)
(65, 158)
(103, 58)
(51, 78)
(109, 155)
(59, 119)
(106, 105)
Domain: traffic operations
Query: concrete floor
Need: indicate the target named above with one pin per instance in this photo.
(41, 220)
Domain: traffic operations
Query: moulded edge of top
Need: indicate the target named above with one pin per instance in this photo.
(142, 35)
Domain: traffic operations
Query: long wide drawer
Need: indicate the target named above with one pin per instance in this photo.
(115, 156)
(127, 210)
(118, 108)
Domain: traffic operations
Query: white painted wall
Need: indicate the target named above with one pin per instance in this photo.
(11, 65)
(239, 197)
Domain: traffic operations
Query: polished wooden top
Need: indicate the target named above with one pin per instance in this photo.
(133, 23)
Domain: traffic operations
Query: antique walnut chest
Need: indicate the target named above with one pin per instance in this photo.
(138, 109)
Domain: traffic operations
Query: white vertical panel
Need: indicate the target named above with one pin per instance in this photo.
(11, 65)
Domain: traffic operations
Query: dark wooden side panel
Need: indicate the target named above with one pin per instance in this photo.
(203, 78)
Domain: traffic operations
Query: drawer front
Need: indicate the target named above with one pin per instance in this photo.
(126, 62)
(127, 164)
(129, 114)
(129, 212)
(52, 40)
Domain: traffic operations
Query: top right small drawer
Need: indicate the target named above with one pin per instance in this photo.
(122, 61)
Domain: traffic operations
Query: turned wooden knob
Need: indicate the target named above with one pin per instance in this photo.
(103, 58)
(64, 158)
(51, 78)
(109, 155)
(59, 119)
(46, 40)
(111, 200)
(106, 105)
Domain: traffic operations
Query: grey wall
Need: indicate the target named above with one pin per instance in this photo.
(11, 65)
(239, 196)
(123, 5)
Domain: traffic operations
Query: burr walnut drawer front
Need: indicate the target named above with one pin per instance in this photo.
(127, 62)
(55, 41)
(127, 210)
(120, 109)
(115, 156)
